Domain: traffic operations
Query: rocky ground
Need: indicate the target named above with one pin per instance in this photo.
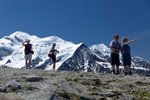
(32, 84)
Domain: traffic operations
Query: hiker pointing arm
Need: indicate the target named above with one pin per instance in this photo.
(131, 41)
(126, 55)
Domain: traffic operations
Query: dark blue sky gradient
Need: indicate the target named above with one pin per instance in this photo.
(88, 21)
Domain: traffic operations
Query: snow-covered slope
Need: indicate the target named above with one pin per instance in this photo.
(12, 51)
(82, 60)
(75, 57)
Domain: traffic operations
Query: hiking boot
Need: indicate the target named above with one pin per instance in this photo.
(130, 73)
(125, 73)
(114, 72)
(118, 72)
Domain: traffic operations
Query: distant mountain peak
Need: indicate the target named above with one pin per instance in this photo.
(54, 39)
(19, 34)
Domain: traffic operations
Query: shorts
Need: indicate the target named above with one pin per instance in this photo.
(53, 57)
(115, 59)
(28, 57)
(126, 59)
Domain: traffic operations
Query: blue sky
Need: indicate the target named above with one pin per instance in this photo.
(88, 21)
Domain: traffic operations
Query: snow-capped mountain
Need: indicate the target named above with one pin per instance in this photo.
(12, 51)
(82, 60)
(75, 57)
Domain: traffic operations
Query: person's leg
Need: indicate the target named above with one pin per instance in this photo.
(30, 61)
(113, 63)
(50, 59)
(117, 68)
(54, 63)
(129, 70)
(113, 69)
(125, 64)
(26, 61)
(117, 61)
(125, 70)
(129, 65)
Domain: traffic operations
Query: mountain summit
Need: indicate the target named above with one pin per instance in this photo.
(73, 57)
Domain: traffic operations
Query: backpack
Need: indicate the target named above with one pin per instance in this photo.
(52, 52)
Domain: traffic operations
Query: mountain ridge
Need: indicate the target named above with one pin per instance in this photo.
(75, 57)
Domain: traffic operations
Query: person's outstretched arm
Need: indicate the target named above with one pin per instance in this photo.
(131, 41)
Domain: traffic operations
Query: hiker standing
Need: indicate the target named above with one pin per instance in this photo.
(115, 49)
(52, 54)
(28, 53)
(126, 55)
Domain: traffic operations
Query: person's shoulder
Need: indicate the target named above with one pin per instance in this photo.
(112, 42)
(29, 44)
(25, 44)
(123, 44)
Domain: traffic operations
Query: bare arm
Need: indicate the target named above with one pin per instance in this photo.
(131, 41)
(23, 43)
(115, 49)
